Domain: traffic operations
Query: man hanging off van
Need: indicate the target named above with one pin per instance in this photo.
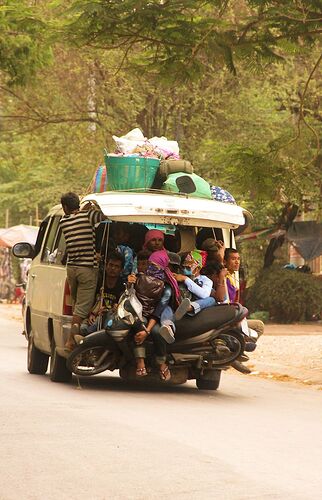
(82, 268)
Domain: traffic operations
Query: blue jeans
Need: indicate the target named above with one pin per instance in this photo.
(200, 304)
(86, 329)
(166, 318)
(164, 301)
(163, 311)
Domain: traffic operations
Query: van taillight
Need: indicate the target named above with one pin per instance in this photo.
(67, 304)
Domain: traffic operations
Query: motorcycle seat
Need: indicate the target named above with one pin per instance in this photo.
(209, 319)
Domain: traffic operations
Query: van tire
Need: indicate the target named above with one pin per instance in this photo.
(209, 381)
(37, 361)
(58, 369)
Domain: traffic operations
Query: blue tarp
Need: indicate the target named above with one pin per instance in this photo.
(306, 237)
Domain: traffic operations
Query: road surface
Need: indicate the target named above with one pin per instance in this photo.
(107, 439)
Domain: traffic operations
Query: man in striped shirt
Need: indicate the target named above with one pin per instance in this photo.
(78, 227)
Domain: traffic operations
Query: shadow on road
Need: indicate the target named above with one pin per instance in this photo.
(116, 384)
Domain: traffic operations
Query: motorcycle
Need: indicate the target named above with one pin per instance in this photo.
(205, 345)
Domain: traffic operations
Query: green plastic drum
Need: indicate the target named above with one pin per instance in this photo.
(130, 173)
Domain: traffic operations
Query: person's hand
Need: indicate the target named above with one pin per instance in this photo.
(86, 207)
(131, 279)
(221, 250)
(140, 337)
(91, 319)
(222, 274)
(179, 277)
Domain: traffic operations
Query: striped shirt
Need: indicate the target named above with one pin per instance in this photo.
(79, 233)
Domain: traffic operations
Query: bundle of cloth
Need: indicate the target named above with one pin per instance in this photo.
(134, 143)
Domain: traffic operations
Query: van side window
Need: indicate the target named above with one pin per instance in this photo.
(58, 254)
(40, 236)
(50, 239)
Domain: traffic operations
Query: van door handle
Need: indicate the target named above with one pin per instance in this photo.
(34, 275)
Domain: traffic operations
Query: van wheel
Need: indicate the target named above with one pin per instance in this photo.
(209, 381)
(37, 361)
(58, 369)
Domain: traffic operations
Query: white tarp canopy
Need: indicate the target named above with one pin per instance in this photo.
(16, 234)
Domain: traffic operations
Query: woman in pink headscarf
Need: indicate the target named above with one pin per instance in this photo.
(149, 289)
(154, 240)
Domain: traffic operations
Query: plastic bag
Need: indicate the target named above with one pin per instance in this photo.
(127, 143)
(135, 142)
(123, 313)
(220, 194)
(99, 180)
(168, 148)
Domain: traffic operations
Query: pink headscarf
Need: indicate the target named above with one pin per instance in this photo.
(151, 235)
(161, 259)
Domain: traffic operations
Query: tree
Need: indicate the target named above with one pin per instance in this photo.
(235, 130)
(181, 39)
(24, 46)
(240, 131)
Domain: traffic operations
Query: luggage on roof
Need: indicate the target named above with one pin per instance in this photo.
(190, 184)
(168, 167)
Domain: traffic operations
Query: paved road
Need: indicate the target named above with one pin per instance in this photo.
(252, 439)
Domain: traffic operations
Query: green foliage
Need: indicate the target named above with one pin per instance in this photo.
(42, 168)
(23, 45)
(241, 132)
(182, 39)
(288, 295)
(261, 315)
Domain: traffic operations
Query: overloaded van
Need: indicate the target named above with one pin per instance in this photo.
(48, 311)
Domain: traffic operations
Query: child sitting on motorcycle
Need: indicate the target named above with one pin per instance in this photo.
(199, 286)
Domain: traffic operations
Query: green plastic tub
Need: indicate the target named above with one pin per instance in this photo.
(128, 172)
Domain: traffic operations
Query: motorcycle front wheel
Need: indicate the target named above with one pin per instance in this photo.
(87, 361)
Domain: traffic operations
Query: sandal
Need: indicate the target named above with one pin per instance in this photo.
(141, 372)
(165, 374)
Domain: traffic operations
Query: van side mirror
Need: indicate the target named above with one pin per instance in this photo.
(23, 250)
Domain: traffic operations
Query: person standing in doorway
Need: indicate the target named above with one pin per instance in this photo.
(78, 227)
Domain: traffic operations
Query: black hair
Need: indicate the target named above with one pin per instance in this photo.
(115, 255)
(70, 200)
(229, 251)
(212, 267)
(143, 255)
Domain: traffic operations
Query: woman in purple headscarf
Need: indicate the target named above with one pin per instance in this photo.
(149, 289)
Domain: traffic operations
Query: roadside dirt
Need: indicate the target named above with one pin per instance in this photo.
(290, 353)
(11, 311)
(287, 353)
